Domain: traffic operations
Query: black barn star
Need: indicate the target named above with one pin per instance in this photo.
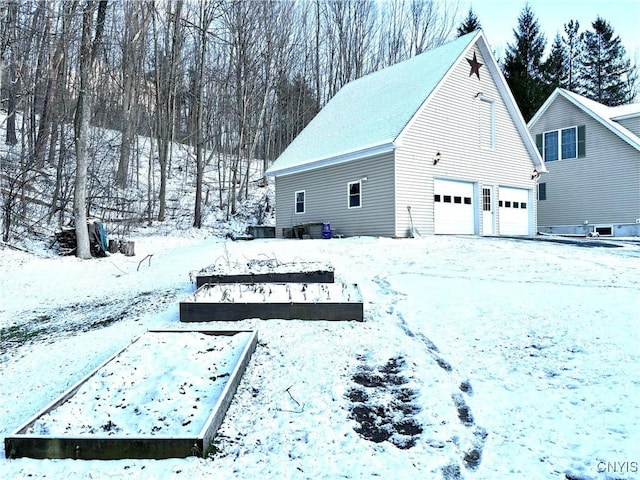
(475, 66)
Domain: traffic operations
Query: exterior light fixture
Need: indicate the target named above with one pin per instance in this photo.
(436, 159)
(535, 174)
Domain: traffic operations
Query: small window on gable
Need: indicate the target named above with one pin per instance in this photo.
(300, 203)
(487, 124)
(355, 194)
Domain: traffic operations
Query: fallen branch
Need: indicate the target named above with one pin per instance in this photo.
(149, 257)
(297, 403)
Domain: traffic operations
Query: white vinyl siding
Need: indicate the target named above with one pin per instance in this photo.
(449, 124)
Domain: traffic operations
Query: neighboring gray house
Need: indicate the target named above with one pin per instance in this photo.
(593, 156)
(439, 133)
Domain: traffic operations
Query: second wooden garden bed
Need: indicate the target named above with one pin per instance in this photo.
(289, 301)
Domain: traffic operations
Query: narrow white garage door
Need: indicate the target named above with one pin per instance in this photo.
(513, 211)
(453, 207)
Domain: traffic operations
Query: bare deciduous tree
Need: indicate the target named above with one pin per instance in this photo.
(88, 52)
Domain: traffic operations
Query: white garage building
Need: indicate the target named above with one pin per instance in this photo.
(434, 144)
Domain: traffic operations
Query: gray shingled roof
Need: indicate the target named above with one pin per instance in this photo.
(372, 111)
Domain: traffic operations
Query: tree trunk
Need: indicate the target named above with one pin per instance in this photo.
(135, 28)
(11, 43)
(88, 51)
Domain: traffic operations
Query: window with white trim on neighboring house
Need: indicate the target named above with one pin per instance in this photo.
(561, 144)
(354, 190)
(300, 201)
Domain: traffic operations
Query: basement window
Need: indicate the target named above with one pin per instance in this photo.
(605, 230)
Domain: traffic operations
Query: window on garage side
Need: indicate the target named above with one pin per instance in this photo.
(300, 201)
(355, 194)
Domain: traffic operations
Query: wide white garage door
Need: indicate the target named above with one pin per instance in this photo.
(453, 207)
(513, 211)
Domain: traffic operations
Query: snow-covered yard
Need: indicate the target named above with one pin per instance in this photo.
(479, 358)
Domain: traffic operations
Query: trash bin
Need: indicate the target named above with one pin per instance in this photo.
(326, 230)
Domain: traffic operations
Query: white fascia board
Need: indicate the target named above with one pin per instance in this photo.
(359, 154)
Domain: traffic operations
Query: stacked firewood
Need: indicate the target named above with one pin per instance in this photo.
(66, 240)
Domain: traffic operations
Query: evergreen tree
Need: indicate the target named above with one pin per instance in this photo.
(522, 65)
(555, 70)
(470, 24)
(573, 47)
(605, 68)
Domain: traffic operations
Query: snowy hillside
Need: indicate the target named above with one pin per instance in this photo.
(29, 192)
(479, 358)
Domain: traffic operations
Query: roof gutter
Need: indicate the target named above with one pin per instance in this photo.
(334, 160)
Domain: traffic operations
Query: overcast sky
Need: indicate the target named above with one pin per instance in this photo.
(500, 17)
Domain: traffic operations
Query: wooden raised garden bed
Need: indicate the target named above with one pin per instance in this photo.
(163, 396)
(269, 270)
(304, 301)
